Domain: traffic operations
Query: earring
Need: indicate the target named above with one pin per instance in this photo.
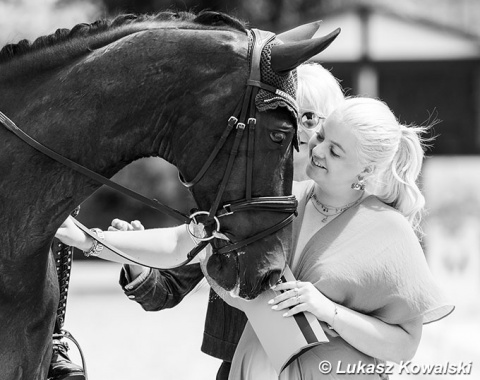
(359, 185)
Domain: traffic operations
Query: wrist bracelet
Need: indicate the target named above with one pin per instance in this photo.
(96, 247)
(335, 312)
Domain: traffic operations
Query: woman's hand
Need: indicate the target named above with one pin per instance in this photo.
(299, 296)
(71, 235)
(121, 225)
(366, 333)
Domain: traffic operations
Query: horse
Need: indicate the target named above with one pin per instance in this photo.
(108, 93)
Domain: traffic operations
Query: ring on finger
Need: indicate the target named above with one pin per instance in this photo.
(296, 296)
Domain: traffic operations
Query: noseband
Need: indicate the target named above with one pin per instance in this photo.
(243, 120)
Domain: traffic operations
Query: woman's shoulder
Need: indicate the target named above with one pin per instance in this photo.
(375, 204)
(384, 215)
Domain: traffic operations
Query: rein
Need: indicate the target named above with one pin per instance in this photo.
(242, 121)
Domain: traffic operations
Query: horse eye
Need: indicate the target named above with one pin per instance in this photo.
(277, 137)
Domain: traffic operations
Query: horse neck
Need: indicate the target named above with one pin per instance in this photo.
(36, 193)
(102, 111)
(101, 140)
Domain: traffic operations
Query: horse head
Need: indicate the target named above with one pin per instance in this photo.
(246, 207)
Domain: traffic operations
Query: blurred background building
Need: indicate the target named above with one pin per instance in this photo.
(421, 56)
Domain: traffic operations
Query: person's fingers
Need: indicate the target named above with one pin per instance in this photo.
(286, 285)
(121, 225)
(137, 225)
(287, 304)
(116, 223)
(291, 294)
(301, 307)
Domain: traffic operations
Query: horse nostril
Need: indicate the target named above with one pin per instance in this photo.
(275, 277)
(271, 279)
(222, 269)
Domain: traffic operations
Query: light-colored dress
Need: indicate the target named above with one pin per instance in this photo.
(367, 259)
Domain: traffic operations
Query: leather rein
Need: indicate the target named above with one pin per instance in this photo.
(243, 120)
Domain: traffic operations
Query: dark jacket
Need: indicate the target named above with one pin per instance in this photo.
(165, 289)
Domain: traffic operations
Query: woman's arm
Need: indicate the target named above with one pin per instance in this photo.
(376, 338)
(134, 271)
(366, 333)
(159, 247)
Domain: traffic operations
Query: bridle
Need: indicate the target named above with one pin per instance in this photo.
(242, 122)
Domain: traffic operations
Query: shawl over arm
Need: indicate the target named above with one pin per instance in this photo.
(370, 260)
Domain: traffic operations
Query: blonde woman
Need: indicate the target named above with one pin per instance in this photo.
(360, 266)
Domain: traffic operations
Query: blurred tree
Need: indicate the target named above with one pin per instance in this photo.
(29, 19)
(113, 7)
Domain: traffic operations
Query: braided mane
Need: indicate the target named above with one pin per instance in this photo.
(205, 19)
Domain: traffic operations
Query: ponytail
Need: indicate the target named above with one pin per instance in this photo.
(399, 180)
(394, 152)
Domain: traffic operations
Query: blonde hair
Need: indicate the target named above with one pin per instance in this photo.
(393, 151)
(317, 86)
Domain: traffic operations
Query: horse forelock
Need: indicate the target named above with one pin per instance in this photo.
(113, 29)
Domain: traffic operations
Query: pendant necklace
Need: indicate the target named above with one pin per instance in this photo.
(325, 209)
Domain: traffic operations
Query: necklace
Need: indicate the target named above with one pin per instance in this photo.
(325, 209)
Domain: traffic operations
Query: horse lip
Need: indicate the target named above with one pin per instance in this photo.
(248, 296)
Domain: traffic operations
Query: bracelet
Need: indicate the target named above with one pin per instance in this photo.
(96, 247)
(335, 312)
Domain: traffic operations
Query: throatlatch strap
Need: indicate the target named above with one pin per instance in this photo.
(231, 123)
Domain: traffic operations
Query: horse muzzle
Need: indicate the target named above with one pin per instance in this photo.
(246, 272)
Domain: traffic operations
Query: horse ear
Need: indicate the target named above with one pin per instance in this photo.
(300, 33)
(290, 55)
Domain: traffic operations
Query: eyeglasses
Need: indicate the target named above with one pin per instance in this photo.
(309, 120)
